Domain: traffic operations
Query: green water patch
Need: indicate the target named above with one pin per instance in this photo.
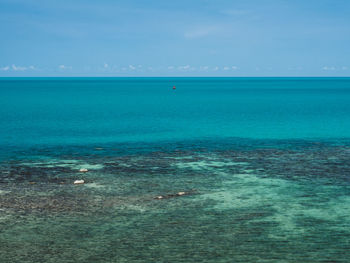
(74, 164)
(290, 211)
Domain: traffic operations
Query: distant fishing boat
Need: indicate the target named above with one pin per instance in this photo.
(174, 88)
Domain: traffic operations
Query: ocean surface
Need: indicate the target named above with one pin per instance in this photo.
(216, 170)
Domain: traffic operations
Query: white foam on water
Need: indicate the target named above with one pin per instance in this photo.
(135, 207)
(2, 192)
(248, 170)
(73, 164)
(205, 164)
(51, 163)
(124, 165)
(90, 166)
(188, 157)
(3, 218)
(94, 185)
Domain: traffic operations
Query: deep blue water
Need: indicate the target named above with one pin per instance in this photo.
(218, 170)
(108, 110)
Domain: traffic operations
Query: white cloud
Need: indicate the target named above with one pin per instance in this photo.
(105, 65)
(6, 68)
(216, 68)
(13, 67)
(171, 67)
(328, 68)
(18, 68)
(131, 67)
(230, 68)
(203, 68)
(187, 67)
(63, 67)
(333, 68)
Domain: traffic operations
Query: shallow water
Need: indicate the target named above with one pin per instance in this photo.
(253, 205)
(243, 198)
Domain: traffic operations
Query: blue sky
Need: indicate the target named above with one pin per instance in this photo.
(175, 38)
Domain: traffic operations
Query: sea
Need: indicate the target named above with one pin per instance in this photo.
(178, 170)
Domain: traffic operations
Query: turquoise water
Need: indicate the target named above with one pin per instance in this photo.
(248, 170)
(83, 111)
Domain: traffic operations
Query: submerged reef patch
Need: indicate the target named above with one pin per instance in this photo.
(262, 204)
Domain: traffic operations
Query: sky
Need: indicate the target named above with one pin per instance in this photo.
(232, 38)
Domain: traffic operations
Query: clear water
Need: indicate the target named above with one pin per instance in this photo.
(264, 165)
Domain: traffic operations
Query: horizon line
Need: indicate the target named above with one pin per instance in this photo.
(18, 77)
